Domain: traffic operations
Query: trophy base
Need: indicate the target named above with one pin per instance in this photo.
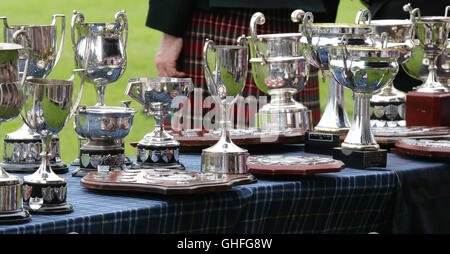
(321, 142)
(150, 157)
(57, 167)
(15, 217)
(361, 159)
(427, 109)
(387, 114)
(45, 198)
(50, 209)
(143, 165)
(226, 162)
(285, 120)
(104, 158)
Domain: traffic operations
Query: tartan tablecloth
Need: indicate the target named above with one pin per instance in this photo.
(351, 201)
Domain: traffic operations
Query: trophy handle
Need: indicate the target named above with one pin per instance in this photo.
(121, 17)
(23, 34)
(129, 92)
(63, 34)
(257, 19)
(413, 13)
(77, 17)
(77, 102)
(363, 17)
(208, 44)
(308, 19)
(5, 22)
(447, 9)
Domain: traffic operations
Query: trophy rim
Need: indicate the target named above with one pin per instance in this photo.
(390, 22)
(159, 79)
(277, 59)
(276, 36)
(107, 110)
(49, 82)
(10, 46)
(432, 19)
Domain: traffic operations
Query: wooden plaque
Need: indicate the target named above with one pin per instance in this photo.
(388, 136)
(164, 181)
(292, 165)
(430, 109)
(438, 148)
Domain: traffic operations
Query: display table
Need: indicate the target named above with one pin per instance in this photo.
(351, 201)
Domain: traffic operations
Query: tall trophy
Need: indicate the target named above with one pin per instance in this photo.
(279, 70)
(23, 146)
(225, 68)
(11, 101)
(426, 105)
(315, 44)
(103, 47)
(388, 104)
(363, 69)
(47, 108)
(160, 98)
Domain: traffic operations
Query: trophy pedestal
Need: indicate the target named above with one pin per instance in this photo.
(283, 120)
(46, 198)
(225, 162)
(14, 217)
(92, 159)
(361, 159)
(151, 157)
(427, 109)
(321, 142)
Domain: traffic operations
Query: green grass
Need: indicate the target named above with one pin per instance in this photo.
(142, 46)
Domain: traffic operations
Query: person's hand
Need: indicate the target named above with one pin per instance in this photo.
(167, 55)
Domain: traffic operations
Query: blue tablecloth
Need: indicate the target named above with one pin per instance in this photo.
(351, 201)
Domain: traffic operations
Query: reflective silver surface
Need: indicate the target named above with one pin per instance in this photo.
(157, 95)
(107, 49)
(363, 70)
(443, 66)
(430, 42)
(44, 52)
(225, 68)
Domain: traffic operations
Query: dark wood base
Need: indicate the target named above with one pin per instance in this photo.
(322, 143)
(427, 109)
(361, 159)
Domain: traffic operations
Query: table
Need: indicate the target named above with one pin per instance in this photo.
(351, 201)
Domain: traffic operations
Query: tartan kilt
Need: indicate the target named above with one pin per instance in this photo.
(224, 26)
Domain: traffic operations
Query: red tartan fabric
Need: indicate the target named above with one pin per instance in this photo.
(224, 27)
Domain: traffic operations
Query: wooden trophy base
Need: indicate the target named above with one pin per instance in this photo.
(427, 109)
(361, 159)
(322, 143)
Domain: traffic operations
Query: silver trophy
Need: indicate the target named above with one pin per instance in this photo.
(279, 70)
(23, 146)
(11, 101)
(100, 48)
(430, 42)
(388, 103)
(363, 69)
(225, 68)
(443, 66)
(47, 108)
(159, 149)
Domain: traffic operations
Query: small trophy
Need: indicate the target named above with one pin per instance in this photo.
(315, 46)
(47, 108)
(279, 70)
(159, 149)
(11, 99)
(225, 68)
(22, 147)
(362, 69)
(388, 104)
(426, 105)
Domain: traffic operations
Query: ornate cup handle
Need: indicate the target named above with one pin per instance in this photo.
(413, 13)
(5, 22)
(21, 33)
(121, 17)
(63, 33)
(363, 17)
(447, 10)
(257, 19)
(77, 102)
(129, 92)
(209, 44)
(77, 17)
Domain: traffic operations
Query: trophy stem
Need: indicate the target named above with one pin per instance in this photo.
(360, 136)
(432, 84)
(101, 88)
(334, 118)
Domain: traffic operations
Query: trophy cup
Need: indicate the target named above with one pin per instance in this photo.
(23, 146)
(388, 103)
(47, 108)
(363, 69)
(279, 70)
(426, 105)
(443, 66)
(225, 68)
(103, 47)
(11, 101)
(315, 46)
(158, 149)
